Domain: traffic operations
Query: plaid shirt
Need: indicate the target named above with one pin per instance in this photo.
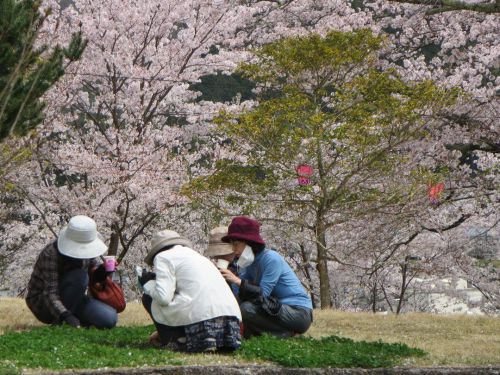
(43, 287)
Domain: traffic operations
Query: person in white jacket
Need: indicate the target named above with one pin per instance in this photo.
(189, 301)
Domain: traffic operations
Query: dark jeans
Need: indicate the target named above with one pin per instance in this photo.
(167, 333)
(289, 321)
(90, 312)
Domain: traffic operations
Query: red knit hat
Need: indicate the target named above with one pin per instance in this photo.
(243, 228)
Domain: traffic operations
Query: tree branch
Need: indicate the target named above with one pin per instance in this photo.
(440, 6)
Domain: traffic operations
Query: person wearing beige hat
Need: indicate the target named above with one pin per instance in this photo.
(58, 284)
(221, 252)
(190, 303)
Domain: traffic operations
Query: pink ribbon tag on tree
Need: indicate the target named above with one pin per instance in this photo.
(304, 172)
(434, 192)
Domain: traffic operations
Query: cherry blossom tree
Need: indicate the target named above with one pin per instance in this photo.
(332, 111)
(123, 129)
(448, 6)
(457, 48)
(119, 123)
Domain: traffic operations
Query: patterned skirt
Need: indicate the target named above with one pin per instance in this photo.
(221, 333)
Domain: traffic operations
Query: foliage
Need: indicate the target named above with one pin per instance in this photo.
(331, 351)
(442, 6)
(339, 113)
(115, 147)
(56, 348)
(28, 70)
(151, 48)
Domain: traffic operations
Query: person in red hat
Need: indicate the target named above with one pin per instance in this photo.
(272, 298)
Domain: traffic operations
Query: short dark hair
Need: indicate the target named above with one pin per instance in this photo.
(256, 247)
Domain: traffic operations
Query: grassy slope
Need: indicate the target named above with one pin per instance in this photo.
(458, 340)
(449, 340)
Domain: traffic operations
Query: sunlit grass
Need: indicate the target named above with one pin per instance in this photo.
(63, 347)
(15, 315)
(456, 340)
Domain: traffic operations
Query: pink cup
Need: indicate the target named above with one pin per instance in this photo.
(110, 263)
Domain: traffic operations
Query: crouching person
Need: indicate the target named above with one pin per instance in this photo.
(272, 298)
(189, 301)
(221, 253)
(58, 284)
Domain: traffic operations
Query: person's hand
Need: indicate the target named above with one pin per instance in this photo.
(68, 318)
(146, 276)
(230, 277)
(98, 275)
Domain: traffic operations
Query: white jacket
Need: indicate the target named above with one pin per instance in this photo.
(188, 289)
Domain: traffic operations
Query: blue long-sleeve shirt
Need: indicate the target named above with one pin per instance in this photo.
(275, 277)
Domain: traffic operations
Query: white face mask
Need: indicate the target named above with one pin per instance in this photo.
(246, 258)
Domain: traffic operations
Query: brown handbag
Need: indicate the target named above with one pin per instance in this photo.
(110, 293)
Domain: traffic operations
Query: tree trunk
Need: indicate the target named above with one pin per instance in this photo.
(322, 266)
(307, 273)
(402, 291)
(374, 298)
(113, 244)
(374, 293)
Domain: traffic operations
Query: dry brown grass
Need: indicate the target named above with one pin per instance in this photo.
(449, 340)
(15, 315)
(458, 340)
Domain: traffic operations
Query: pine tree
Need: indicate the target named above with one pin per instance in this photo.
(27, 71)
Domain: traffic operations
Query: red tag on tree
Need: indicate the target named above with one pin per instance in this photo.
(304, 172)
(434, 192)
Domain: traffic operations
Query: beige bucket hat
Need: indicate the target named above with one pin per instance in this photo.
(80, 239)
(215, 245)
(163, 239)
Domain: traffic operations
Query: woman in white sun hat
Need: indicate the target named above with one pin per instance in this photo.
(58, 284)
(189, 301)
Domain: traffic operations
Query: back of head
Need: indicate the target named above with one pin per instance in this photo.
(161, 240)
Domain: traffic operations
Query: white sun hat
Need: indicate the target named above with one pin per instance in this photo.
(80, 239)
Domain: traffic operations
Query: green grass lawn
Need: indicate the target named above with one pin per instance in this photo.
(336, 338)
(64, 347)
